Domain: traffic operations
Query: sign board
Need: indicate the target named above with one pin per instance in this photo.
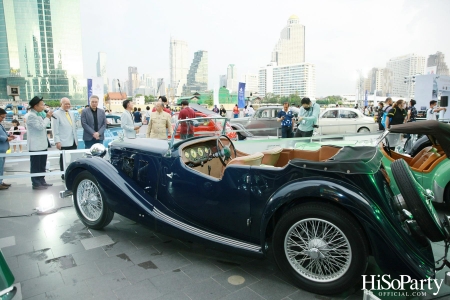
(95, 87)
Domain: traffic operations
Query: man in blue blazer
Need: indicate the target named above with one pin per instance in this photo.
(4, 146)
(93, 120)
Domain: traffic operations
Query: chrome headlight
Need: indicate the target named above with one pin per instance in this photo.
(98, 150)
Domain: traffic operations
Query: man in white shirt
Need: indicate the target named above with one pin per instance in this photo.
(433, 110)
(64, 129)
(127, 120)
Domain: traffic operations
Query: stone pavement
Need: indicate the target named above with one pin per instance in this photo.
(56, 257)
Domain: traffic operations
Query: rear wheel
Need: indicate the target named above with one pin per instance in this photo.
(321, 248)
(363, 129)
(418, 201)
(90, 202)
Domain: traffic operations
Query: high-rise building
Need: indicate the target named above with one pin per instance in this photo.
(438, 60)
(114, 85)
(290, 48)
(197, 78)
(222, 80)
(405, 66)
(160, 87)
(251, 84)
(147, 84)
(40, 48)
(232, 78)
(101, 70)
(133, 80)
(297, 79)
(179, 65)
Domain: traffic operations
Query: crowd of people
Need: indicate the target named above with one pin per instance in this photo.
(40, 118)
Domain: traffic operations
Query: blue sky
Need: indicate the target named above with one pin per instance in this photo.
(341, 36)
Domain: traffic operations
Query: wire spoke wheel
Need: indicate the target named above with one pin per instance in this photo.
(318, 250)
(321, 248)
(89, 200)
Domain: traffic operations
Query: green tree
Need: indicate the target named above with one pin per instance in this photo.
(149, 99)
(209, 101)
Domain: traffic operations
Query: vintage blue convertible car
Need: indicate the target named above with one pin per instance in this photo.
(321, 213)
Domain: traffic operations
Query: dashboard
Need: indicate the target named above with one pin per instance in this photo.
(197, 154)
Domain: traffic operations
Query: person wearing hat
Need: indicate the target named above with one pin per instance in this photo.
(37, 141)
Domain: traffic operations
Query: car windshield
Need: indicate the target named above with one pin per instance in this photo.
(195, 127)
(381, 137)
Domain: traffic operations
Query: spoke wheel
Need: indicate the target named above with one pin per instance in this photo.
(318, 250)
(90, 202)
(321, 248)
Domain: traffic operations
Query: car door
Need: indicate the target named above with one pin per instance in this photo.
(347, 121)
(328, 122)
(218, 205)
(265, 118)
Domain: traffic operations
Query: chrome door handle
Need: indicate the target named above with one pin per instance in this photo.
(170, 175)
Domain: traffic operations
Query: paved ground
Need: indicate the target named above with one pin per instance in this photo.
(57, 257)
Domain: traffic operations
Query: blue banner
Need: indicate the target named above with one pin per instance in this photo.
(89, 89)
(366, 102)
(241, 95)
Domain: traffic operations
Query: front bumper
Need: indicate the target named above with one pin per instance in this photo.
(64, 194)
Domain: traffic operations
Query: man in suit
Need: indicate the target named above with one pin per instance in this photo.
(64, 130)
(127, 123)
(4, 146)
(93, 120)
(37, 141)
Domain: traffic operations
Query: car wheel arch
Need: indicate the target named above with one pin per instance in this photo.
(278, 213)
(72, 175)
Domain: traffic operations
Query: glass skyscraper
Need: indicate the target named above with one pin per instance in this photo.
(197, 77)
(40, 48)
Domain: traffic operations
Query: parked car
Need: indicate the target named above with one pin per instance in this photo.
(430, 166)
(262, 123)
(321, 213)
(7, 289)
(205, 125)
(110, 135)
(112, 121)
(344, 120)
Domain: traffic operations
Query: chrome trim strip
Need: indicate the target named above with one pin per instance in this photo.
(204, 234)
(438, 192)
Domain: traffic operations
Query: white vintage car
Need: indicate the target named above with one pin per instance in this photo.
(345, 120)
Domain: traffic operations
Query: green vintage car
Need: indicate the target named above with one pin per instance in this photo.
(7, 290)
(431, 166)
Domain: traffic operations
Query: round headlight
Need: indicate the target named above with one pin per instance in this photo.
(98, 150)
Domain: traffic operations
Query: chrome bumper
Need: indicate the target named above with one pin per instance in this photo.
(64, 194)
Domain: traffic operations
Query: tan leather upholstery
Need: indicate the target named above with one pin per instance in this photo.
(419, 156)
(254, 159)
(271, 156)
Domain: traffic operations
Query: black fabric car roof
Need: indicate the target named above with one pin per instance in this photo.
(349, 160)
(440, 131)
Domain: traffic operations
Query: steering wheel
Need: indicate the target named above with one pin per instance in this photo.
(224, 152)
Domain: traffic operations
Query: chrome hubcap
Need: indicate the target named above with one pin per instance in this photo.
(317, 250)
(89, 200)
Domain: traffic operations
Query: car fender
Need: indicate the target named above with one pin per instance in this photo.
(329, 189)
(383, 240)
(242, 129)
(123, 195)
(439, 180)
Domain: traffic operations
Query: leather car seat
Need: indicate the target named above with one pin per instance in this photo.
(420, 156)
(426, 160)
(254, 159)
(271, 156)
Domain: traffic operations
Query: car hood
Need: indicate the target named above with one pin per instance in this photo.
(151, 146)
(240, 120)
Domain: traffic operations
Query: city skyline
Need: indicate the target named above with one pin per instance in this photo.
(347, 36)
